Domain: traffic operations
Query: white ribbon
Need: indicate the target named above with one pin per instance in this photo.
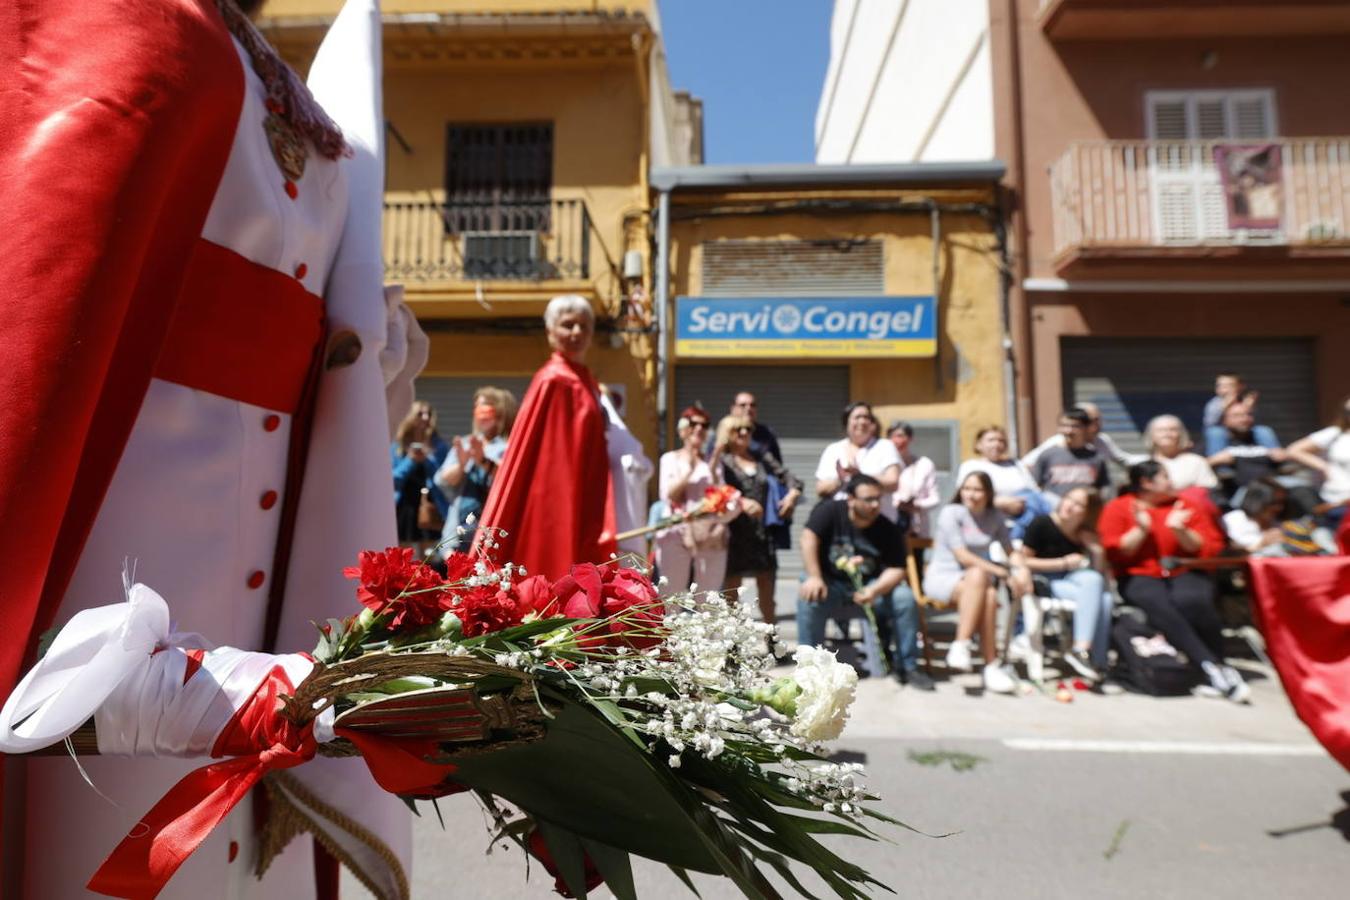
(121, 666)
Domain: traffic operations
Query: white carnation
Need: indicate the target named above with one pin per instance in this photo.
(828, 687)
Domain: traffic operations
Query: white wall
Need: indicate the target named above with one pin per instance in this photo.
(908, 81)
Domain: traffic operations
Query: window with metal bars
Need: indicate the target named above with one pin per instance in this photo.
(498, 178)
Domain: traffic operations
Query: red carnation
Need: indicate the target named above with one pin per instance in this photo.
(392, 582)
(459, 566)
(485, 609)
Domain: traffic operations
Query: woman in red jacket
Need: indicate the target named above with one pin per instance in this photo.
(1143, 531)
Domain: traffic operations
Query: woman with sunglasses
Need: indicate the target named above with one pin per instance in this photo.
(751, 550)
(694, 552)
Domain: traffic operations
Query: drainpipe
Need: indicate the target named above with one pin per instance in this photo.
(935, 229)
(1021, 422)
(662, 297)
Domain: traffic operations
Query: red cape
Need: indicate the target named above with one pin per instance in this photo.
(552, 495)
(1304, 606)
(116, 120)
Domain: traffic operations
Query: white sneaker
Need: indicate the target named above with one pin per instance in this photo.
(1238, 690)
(1019, 648)
(1218, 678)
(997, 680)
(958, 656)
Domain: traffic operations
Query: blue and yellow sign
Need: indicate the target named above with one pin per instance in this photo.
(805, 327)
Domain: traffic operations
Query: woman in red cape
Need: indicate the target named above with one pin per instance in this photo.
(552, 503)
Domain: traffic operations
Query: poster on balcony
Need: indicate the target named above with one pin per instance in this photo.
(805, 327)
(1252, 183)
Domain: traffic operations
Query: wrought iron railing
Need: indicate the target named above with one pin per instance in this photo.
(429, 240)
(1197, 193)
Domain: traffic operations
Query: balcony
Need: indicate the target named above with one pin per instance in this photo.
(432, 245)
(1069, 20)
(1132, 208)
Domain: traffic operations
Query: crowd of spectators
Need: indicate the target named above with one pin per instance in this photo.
(1054, 523)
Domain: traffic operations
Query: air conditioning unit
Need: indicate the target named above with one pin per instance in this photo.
(504, 254)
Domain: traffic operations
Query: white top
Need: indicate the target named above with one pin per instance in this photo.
(1010, 476)
(1103, 440)
(629, 472)
(1242, 530)
(875, 458)
(918, 485)
(1335, 444)
(1188, 469)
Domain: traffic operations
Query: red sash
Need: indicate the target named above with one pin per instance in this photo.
(243, 331)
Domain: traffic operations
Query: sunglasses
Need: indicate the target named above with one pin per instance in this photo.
(697, 424)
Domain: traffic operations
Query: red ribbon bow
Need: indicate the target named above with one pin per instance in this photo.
(260, 740)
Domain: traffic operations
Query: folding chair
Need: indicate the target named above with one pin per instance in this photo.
(921, 600)
(1039, 609)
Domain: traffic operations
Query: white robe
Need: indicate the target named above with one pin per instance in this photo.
(184, 508)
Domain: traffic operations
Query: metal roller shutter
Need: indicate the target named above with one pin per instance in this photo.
(452, 398)
(792, 268)
(1134, 379)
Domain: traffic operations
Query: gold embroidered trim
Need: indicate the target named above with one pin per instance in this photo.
(286, 821)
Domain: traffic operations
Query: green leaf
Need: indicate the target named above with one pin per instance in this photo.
(568, 855)
(584, 775)
(615, 866)
(684, 876)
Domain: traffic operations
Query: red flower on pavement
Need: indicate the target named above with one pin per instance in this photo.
(539, 850)
(393, 582)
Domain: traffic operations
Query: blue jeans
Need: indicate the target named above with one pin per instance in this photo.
(1092, 608)
(896, 610)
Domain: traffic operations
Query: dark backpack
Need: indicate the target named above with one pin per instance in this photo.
(1147, 666)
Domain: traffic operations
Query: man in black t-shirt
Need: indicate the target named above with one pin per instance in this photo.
(848, 543)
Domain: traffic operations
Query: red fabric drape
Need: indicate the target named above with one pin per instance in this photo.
(552, 495)
(116, 119)
(1304, 606)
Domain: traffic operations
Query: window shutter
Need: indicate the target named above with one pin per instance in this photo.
(1169, 120)
(1211, 119)
(1252, 117)
(498, 177)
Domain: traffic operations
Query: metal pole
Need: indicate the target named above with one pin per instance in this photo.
(935, 229)
(662, 314)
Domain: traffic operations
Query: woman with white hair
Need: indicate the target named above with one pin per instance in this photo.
(551, 503)
(1169, 443)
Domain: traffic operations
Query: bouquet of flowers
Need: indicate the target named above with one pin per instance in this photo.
(718, 500)
(709, 764)
(592, 719)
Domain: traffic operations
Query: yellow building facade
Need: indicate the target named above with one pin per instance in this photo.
(840, 240)
(519, 139)
(531, 147)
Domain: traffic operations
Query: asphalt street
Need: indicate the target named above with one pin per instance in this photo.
(1106, 796)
